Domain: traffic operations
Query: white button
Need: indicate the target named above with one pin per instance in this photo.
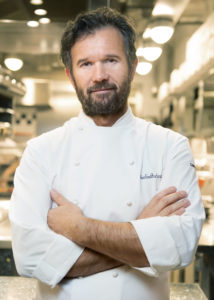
(129, 203)
(76, 163)
(131, 163)
(115, 274)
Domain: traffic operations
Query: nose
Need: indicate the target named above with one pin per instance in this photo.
(99, 72)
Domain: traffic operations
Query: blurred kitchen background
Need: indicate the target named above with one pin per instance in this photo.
(173, 87)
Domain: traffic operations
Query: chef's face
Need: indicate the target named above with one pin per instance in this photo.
(100, 72)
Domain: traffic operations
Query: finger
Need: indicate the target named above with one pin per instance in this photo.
(179, 212)
(165, 192)
(58, 198)
(172, 208)
(172, 198)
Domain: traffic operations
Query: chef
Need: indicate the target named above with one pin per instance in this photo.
(104, 206)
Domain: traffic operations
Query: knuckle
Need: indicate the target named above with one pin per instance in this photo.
(180, 211)
(168, 210)
(182, 194)
(183, 202)
(165, 201)
(156, 197)
(177, 196)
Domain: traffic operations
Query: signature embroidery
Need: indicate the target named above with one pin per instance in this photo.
(152, 175)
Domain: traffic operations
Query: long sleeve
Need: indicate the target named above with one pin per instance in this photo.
(38, 251)
(170, 242)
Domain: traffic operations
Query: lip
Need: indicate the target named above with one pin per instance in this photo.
(102, 90)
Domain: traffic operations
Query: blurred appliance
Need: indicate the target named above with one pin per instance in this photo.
(10, 90)
(203, 152)
(10, 154)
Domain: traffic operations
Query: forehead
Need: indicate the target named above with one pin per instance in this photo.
(103, 41)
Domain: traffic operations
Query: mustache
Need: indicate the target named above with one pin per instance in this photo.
(101, 85)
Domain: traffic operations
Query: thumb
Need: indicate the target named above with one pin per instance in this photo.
(58, 198)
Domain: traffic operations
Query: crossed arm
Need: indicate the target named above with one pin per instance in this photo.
(109, 244)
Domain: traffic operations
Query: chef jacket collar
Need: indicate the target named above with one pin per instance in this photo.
(125, 119)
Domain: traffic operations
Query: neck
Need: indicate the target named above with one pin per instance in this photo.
(108, 120)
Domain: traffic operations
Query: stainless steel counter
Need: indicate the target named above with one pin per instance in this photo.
(19, 288)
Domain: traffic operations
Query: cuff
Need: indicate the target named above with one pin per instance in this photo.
(57, 261)
(158, 244)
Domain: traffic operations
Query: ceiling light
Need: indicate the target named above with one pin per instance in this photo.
(40, 12)
(150, 53)
(36, 2)
(13, 64)
(211, 71)
(6, 21)
(44, 20)
(161, 9)
(139, 51)
(147, 33)
(161, 29)
(32, 23)
(143, 68)
(150, 50)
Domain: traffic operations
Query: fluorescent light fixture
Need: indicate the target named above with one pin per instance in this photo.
(143, 68)
(36, 2)
(6, 21)
(44, 20)
(40, 12)
(32, 23)
(13, 64)
(161, 30)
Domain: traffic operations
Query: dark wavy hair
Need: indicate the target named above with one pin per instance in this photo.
(88, 22)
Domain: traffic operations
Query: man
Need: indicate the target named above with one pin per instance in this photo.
(118, 217)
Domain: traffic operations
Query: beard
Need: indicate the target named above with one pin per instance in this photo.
(111, 102)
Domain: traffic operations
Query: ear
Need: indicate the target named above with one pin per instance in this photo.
(134, 66)
(68, 74)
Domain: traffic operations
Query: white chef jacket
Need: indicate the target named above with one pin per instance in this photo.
(111, 173)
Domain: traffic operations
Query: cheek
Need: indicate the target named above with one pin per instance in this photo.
(119, 79)
(82, 80)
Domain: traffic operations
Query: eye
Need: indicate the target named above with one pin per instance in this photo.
(112, 60)
(86, 64)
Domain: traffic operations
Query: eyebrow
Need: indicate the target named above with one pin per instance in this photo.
(80, 61)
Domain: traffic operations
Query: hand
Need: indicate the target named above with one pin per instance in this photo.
(166, 203)
(66, 218)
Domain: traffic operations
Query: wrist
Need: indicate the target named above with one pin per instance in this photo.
(79, 232)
